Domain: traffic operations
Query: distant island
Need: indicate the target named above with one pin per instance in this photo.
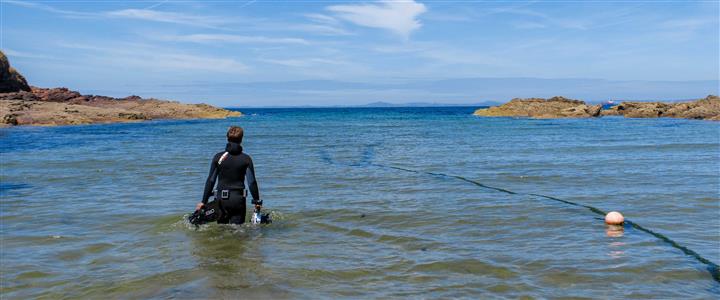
(382, 104)
(560, 107)
(425, 104)
(22, 104)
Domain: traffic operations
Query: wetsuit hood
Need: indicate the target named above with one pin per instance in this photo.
(233, 148)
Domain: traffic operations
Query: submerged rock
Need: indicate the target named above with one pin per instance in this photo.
(132, 116)
(555, 107)
(705, 109)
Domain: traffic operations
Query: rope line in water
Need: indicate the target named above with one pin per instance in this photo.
(712, 268)
(368, 155)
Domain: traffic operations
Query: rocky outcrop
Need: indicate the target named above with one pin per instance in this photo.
(555, 107)
(10, 79)
(20, 112)
(21, 104)
(705, 109)
(61, 106)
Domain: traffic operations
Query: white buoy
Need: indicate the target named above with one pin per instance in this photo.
(614, 218)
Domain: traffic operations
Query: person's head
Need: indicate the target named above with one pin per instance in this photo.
(235, 134)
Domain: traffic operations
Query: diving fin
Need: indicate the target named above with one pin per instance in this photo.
(210, 212)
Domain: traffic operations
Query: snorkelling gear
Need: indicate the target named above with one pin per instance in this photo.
(210, 212)
(260, 218)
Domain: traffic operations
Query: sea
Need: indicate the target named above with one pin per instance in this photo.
(420, 203)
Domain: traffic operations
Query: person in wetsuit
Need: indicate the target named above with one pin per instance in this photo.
(231, 168)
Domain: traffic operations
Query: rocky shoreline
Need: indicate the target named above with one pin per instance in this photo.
(60, 106)
(560, 107)
(22, 104)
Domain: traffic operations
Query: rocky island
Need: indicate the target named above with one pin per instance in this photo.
(555, 107)
(703, 109)
(560, 107)
(22, 104)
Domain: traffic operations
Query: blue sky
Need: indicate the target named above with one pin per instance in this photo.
(254, 53)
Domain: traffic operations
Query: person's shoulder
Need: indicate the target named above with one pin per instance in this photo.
(245, 155)
(218, 155)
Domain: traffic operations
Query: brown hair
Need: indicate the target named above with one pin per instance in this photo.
(235, 134)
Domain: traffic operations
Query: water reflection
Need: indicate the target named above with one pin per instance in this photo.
(230, 257)
(615, 232)
(226, 254)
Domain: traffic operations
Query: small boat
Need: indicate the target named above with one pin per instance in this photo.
(608, 104)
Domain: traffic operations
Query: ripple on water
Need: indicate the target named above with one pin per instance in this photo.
(77, 224)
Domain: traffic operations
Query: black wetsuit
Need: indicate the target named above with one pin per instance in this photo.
(231, 174)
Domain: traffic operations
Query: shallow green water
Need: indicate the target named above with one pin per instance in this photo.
(97, 211)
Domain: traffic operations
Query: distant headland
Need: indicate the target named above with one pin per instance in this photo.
(22, 104)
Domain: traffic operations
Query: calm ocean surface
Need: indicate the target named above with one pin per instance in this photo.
(362, 208)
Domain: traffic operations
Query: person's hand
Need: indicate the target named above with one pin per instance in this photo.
(199, 206)
(258, 204)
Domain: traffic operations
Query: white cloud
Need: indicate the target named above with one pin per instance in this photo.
(399, 17)
(529, 25)
(231, 38)
(691, 24)
(542, 19)
(13, 53)
(320, 18)
(138, 14)
(48, 8)
(304, 62)
(321, 29)
(150, 58)
(167, 17)
(322, 24)
(442, 54)
(195, 62)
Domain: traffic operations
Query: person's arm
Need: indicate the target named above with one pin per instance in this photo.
(252, 183)
(210, 182)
